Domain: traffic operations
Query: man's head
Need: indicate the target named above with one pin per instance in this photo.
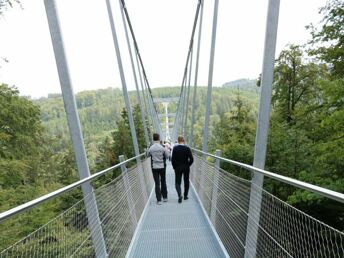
(181, 139)
(156, 137)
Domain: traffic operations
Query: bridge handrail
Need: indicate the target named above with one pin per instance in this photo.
(313, 188)
(10, 213)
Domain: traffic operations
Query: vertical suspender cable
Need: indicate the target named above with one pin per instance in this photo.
(140, 59)
(262, 128)
(210, 79)
(124, 84)
(180, 111)
(75, 128)
(154, 112)
(181, 105)
(208, 99)
(188, 94)
(135, 79)
(126, 98)
(149, 129)
(191, 140)
(176, 120)
(182, 114)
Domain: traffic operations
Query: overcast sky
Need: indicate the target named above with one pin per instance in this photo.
(163, 30)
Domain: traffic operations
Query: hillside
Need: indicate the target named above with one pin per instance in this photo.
(242, 84)
(100, 109)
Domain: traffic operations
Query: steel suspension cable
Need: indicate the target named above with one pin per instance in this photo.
(175, 127)
(137, 51)
(143, 115)
(145, 100)
(188, 95)
(191, 142)
(210, 78)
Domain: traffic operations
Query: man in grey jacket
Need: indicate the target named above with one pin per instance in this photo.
(158, 155)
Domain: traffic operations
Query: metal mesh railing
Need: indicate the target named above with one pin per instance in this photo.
(283, 231)
(120, 204)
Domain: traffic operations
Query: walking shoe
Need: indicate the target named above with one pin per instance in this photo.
(158, 202)
(180, 199)
(165, 199)
(186, 198)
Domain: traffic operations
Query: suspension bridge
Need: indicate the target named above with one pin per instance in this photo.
(225, 216)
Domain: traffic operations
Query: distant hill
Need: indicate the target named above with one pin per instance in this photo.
(243, 85)
(100, 109)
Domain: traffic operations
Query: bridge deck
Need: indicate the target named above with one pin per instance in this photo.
(175, 230)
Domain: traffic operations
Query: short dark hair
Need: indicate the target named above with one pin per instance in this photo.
(156, 137)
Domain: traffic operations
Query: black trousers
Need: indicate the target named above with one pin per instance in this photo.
(185, 174)
(159, 176)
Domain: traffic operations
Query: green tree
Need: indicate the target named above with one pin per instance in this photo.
(106, 157)
(234, 135)
(295, 83)
(29, 167)
(121, 142)
(20, 137)
(328, 41)
(305, 136)
(139, 128)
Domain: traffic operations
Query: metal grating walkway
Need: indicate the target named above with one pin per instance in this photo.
(175, 230)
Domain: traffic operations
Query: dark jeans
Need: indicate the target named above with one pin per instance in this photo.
(179, 174)
(160, 177)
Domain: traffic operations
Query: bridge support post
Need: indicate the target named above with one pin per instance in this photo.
(130, 199)
(215, 189)
(262, 128)
(75, 128)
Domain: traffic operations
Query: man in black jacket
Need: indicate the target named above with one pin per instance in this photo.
(182, 159)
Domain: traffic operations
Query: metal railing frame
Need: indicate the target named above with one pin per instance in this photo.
(21, 208)
(294, 182)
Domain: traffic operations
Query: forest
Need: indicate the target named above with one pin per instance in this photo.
(306, 136)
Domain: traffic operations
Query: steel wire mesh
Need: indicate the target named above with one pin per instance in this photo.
(69, 235)
(283, 230)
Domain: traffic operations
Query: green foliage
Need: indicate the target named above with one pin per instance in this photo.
(295, 83)
(307, 123)
(242, 84)
(20, 138)
(305, 138)
(328, 41)
(98, 111)
(234, 135)
(20, 127)
(121, 142)
(29, 167)
(306, 134)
